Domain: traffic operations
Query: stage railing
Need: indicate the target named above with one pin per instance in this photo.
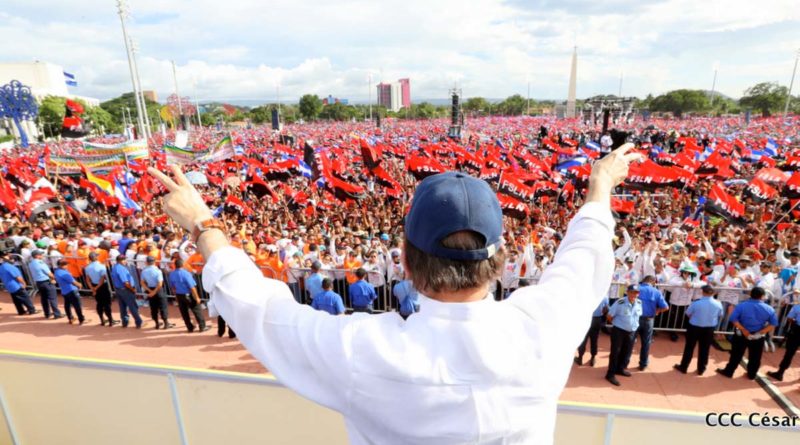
(49, 399)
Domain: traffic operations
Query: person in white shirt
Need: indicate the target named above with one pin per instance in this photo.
(511, 270)
(684, 290)
(449, 370)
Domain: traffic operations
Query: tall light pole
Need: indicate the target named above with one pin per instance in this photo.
(621, 75)
(122, 10)
(528, 101)
(369, 89)
(196, 101)
(177, 93)
(791, 84)
(148, 133)
(714, 83)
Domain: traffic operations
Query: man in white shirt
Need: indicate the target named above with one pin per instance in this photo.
(449, 370)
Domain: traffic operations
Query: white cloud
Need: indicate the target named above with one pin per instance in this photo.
(242, 49)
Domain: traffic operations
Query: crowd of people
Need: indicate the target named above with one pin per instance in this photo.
(707, 232)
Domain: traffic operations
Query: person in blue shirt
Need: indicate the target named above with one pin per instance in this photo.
(598, 321)
(407, 298)
(45, 283)
(704, 316)
(314, 281)
(328, 300)
(185, 288)
(792, 343)
(125, 241)
(97, 279)
(362, 294)
(624, 316)
(13, 282)
(69, 290)
(153, 286)
(653, 303)
(124, 286)
(753, 320)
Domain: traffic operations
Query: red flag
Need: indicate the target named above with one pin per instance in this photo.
(723, 204)
(772, 176)
(621, 206)
(511, 185)
(513, 207)
(370, 155)
(389, 184)
(236, 204)
(421, 167)
(759, 191)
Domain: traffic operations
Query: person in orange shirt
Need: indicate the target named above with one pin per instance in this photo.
(274, 262)
(195, 262)
(73, 261)
(351, 263)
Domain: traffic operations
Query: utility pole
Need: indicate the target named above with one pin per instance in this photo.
(620, 84)
(122, 10)
(369, 89)
(528, 102)
(177, 94)
(134, 49)
(791, 84)
(714, 85)
(196, 101)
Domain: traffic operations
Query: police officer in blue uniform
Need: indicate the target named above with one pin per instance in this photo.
(328, 300)
(704, 316)
(125, 287)
(45, 282)
(624, 316)
(792, 342)
(153, 286)
(598, 321)
(69, 290)
(13, 282)
(185, 289)
(362, 293)
(753, 320)
(97, 276)
(653, 303)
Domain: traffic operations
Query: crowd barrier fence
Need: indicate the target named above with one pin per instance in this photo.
(673, 320)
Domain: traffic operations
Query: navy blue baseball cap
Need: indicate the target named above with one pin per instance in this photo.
(452, 202)
(633, 287)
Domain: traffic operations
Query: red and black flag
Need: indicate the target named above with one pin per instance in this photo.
(258, 187)
(234, 204)
(689, 224)
(279, 171)
(73, 125)
(513, 207)
(792, 189)
(421, 167)
(370, 155)
(650, 176)
(623, 207)
(772, 176)
(723, 204)
(759, 191)
(343, 190)
(389, 184)
(511, 185)
(490, 174)
(792, 163)
(544, 188)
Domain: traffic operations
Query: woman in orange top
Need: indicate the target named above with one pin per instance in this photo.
(194, 263)
(351, 263)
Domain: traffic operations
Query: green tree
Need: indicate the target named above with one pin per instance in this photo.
(681, 101)
(261, 115)
(51, 115)
(338, 112)
(766, 97)
(477, 105)
(310, 106)
(101, 120)
(511, 106)
(117, 108)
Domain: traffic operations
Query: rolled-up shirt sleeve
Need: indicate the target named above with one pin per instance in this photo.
(307, 350)
(576, 281)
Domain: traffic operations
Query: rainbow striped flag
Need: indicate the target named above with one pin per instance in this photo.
(178, 155)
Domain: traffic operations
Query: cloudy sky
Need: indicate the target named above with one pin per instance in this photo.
(242, 49)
